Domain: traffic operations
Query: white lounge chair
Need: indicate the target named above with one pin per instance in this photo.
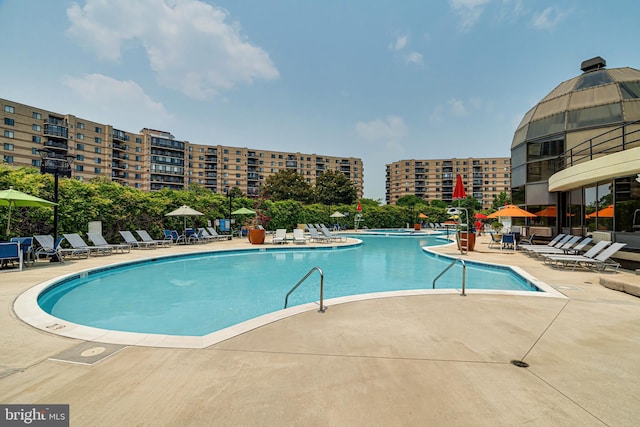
(552, 243)
(280, 236)
(131, 239)
(99, 240)
(331, 236)
(559, 248)
(316, 237)
(601, 248)
(298, 236)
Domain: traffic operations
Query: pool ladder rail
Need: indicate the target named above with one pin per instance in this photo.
(464, 274)
(319, 270)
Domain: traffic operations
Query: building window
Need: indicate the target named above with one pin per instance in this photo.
(8, 147)
(79, 168)
(8, 159)
(8, 121)
(98, 140)
(35, 151)
(35, 138)
(36, 115)
(79, 157)
(9, 109)
(98, 160)
(80, 125)
(80, 136)
(98, 150)
(80, 147)
(36, 127)
(97, 170)
(8, 134)
(35, 162)
(98, 129)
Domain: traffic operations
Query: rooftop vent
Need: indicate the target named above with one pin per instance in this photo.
(593, 64)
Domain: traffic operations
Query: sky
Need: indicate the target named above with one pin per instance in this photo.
(380, 80)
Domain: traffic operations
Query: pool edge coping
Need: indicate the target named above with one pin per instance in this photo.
(27, 310)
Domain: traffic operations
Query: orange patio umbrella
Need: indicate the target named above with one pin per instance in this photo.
(602, 213)
(550, 211)
(512, 211)
(423, 216)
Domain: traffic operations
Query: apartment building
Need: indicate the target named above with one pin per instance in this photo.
(151, 159)
(434, 179)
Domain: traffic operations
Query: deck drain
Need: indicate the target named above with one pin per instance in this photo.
(519, 363)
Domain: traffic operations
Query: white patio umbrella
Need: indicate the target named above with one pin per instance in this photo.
(337, 214)
(184, 211)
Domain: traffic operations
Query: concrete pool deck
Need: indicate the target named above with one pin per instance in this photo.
(437, 359)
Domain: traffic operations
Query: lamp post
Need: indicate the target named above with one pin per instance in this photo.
(227, 190)
(57, 165)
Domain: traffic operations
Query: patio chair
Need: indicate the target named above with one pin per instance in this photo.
(280, 236)
(508, 241)
(77, 242)
(556, 259)
(172, 236)
(99, 240)
(600, 262)
(194, 236)
(144, 235)
(26, 246)
(130, 239)
(496, 240)
(298, 236)
(215, 234)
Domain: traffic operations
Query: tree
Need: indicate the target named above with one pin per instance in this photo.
(333, 187)
(501, 200)
(287, 185)
(409, 200)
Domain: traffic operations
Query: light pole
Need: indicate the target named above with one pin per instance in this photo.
(227, 190)
(57, 165)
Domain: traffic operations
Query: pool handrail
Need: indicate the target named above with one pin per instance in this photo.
(464, 275)
(322, 309)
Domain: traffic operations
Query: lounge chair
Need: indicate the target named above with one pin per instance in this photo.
(600, 262)
(564, 260)
(77, 242)
(147, 238)
(298, 236)
(280, 236)
(194, 236)
(559, 248)
(316, 237)
(572, 247)
(215, 234)
(131, 240)
(552, 243)
(99, 240)
(172, 236)
(331, 236)
(55, 250)
(205, 235)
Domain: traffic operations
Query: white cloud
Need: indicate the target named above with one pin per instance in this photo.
(122, 101)
(400, 43)
(457, 107)
(391, 128)
(469, 11)
(414, 58)
(189, 44)
(549, 18)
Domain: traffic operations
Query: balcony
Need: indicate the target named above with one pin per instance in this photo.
(252, 162)
(118, 146)
(56, 145)
(118, 165)
(252, 176)
(291, 164)
(56, 131)
(252, 155)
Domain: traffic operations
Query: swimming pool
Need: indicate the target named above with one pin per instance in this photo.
(198, 294)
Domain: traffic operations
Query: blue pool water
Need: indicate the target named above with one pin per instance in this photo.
(195, 295)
